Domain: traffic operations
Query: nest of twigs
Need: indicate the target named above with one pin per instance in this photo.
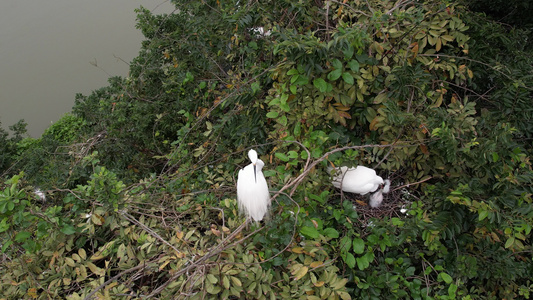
(394, 204)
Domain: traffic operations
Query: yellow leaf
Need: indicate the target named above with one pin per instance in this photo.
(340, 284)
(82, 253)
(225, 229)
(32, 292)
(315, 223)
(297, 250)
(316, 264)
(300, 272)
(439, 101)
(215, 231)
(96, 219)
(162, 266)
(111, 285)
(374, 122)
(319, 283)
(424, 149)
(447, 38)
(95, 269)
(236, 281)
(344, 115)
(470, 73)
(362, 203)
(414, 49)
(70, 261)
(340, 106)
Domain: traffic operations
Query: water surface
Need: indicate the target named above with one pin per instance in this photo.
(48, 48)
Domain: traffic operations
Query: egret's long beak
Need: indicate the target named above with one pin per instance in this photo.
(255, 174)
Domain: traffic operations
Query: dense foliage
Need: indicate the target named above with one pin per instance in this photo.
(139, 197)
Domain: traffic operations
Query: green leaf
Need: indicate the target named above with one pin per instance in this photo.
(292, 72)
(495, 156)
(10, 206)
(282, 120)
(225, 282)
(292, 154)
(354, 65)
(452, 290)
(331, 232)
(348, 53)
(272, 114)
(509, 242)
(380, 98)
(68, 229)
(336, 64)
(335, 74)
(348, 78)
(345, 244)
(293, 89)
(6, 245)
(483, 214)
(22, 236)
(358, 246)
(294, 78)
(311, 232)
(447, 278)
(362, 262)
(255, 87)
(297, 129)
(212, 278)
(281, 156)
(4, 225)
(349, 259)
(320, 84)
(285, 107)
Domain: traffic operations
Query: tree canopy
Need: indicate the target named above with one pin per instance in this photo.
(139, 180)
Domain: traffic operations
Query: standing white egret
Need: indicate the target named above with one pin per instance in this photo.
(361, 180)
(252, 189)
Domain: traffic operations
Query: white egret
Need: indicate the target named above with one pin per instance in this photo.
(361, 180)
(252, 189)
(40, 194)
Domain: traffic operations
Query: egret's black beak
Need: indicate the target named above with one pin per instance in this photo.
(255, 175)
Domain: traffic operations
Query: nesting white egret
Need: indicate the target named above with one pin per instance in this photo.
(40, 194)
(252, 189)
(361, 180)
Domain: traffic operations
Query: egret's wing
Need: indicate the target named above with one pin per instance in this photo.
(360, 180)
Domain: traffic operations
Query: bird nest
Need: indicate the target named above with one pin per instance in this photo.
(394, 204)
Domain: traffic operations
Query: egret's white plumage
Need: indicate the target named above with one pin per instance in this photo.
(376, 199)
(252, 189)
(40, 194)
(362, 180)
